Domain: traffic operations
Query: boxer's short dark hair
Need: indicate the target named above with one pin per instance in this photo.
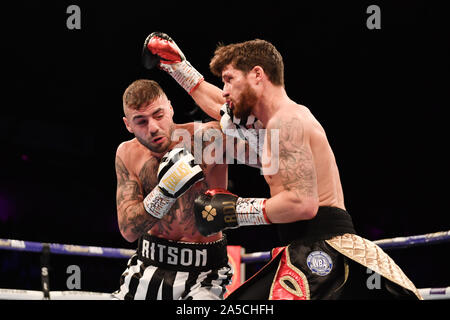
(140, 92)
(246, 55)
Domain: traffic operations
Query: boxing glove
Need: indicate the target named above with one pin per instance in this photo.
(160, 50)
(177, 172)
(219, 209)
(247, 129)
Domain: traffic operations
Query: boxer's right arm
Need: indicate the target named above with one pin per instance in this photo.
(137, 214)
(131, 215)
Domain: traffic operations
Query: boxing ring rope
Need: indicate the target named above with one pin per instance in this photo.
(117, 253)
(386, 244)
(67, 249)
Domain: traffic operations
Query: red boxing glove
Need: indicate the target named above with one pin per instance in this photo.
(161, 50)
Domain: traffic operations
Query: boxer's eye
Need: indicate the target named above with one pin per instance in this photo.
(227, 79)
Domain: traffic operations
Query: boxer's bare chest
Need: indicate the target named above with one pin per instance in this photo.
(179, 223)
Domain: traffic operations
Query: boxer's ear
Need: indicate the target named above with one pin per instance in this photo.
(170, 109)
(127, 125)
(258, 73)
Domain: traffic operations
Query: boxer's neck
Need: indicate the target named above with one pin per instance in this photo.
(270, 101)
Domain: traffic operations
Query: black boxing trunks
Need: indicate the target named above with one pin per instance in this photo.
(324, 259)
(170, 270)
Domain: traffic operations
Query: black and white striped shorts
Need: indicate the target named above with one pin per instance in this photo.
(168, 270)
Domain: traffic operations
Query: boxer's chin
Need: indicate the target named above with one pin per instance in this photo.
(245, 104)
(158, 146)
(242, 111)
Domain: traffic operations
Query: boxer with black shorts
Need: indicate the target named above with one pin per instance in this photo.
(322, 256)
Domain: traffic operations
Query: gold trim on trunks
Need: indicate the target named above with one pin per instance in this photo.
(298, 291)
(370, 255)
(346, 272)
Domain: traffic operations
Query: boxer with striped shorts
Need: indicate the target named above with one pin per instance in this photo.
(158, 180)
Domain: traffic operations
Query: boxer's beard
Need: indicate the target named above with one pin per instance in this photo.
(247, 101)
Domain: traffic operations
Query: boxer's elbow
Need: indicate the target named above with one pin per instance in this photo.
(129, 236)
(311, 206)
(304, 208)
(288, 206)
(125, 229)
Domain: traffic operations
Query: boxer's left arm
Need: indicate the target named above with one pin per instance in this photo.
(296, 174)
(162, 51)
(209, 98)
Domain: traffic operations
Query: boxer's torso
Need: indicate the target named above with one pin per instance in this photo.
(298, 124)
(179, 223)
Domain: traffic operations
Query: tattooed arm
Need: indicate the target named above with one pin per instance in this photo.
(295, 185)
(132, 217)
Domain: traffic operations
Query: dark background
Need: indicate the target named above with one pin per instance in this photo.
(379, 94)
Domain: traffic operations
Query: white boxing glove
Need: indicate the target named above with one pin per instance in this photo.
(177, 172)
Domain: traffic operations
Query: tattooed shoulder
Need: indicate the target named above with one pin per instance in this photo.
(291, 130)
(296, 166)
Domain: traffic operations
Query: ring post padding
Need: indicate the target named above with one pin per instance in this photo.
(45, 266)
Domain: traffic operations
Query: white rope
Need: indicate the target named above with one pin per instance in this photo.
(17, 294)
